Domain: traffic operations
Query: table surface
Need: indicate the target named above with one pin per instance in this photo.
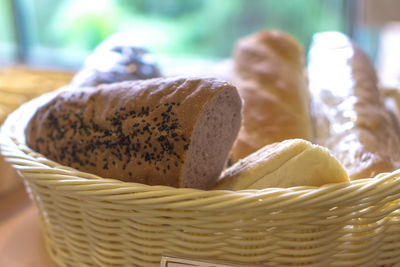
(21, 240)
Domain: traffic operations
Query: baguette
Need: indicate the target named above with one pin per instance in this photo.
(270, 74)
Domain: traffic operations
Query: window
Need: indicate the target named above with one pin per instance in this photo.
(62, 33)
(7, 38)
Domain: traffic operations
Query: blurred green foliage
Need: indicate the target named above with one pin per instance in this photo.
(6, 29)
(8, 51)
(178, 28)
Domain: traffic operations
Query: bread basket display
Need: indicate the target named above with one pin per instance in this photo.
(89, 220)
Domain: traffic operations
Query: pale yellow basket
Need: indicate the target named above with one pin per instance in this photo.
(91, 221)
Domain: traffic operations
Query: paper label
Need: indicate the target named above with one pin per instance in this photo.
(167, 261)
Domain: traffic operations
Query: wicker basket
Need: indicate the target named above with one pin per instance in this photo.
(91, 221)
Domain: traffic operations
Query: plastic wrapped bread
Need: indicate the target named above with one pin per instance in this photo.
(350, 116)
(118, 58)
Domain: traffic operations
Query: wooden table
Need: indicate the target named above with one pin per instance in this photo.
(21, 240)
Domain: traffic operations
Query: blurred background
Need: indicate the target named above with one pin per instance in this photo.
(60, 34)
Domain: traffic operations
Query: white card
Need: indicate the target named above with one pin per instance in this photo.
(167, 261)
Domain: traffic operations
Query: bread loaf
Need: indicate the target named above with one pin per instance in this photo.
(350, 116)
(269, 72)
(293, 162)
(166, 131)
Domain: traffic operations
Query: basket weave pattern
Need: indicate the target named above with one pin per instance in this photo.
(91, 221)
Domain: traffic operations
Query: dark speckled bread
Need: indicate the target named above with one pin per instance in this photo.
(164, 131)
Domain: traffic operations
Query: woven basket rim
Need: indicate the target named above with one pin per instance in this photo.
(67, 179)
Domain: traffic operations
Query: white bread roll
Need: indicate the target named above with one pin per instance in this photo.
(293, 162)
(165, 131)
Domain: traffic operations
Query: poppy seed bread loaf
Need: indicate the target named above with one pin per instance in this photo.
(164, 131)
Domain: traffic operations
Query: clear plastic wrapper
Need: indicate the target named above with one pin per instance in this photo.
(348, 108)
(117, 59)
